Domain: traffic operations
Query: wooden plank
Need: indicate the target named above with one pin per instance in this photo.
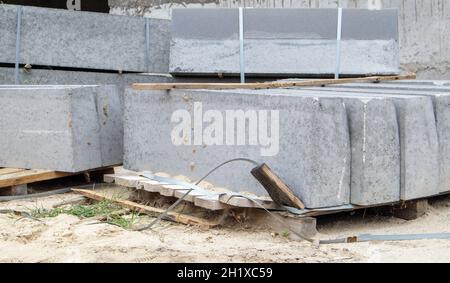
(5, 171)
(211, 203)
(267, 85)
(129, 181)
(169, 190)
(190, 197)
(172, 216)
(246, 203)
(29, 176)
(277, 189)
(149, 186)
(411, 210)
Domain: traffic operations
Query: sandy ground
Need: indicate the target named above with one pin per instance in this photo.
(69, 239)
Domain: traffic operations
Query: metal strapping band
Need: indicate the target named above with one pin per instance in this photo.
(147, 44)
(241, 44)
(338, 44)
(18, 37)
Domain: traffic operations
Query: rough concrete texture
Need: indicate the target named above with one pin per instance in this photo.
(206, 41)
(67, 128)
(375, 145)
(64, 77)
(423, 24)
(441, 101)
(421, 82)
(59, 77)
(314, 150)
(52, 37)
(420, 152)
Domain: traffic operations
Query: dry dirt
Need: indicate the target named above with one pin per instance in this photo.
(67, 238)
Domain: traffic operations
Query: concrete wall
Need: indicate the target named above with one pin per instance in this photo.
(424, 24)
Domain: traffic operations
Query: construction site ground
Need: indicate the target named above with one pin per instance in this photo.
(68, 238)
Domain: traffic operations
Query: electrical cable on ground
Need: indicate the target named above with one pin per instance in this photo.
(162, 215)
(175, 204)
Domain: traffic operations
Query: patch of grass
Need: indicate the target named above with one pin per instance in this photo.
(101, 208)
(285, 233)
(126, 222)
(105, 209)
(46, 213)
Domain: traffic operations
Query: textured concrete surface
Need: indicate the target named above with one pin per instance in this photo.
(420, 152)
(52, 37)
(375, 163)
(314, 150)
(423, 24)
(65, 77)
(420, 82)
(67, 128)
(274, 38)
(60, 77)
(441, 100)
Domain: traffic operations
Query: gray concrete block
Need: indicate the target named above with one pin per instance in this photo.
(60, 38)
(61, 77)
(68, 128)
(314, 150)
(375, 162)
(206, 41)
(420, 152)
(436, 83)
(441, 102)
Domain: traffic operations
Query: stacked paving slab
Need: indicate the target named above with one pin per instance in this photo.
(282, 42)
(60, 128)
(73, 125)
(60, 38)
(360, 144)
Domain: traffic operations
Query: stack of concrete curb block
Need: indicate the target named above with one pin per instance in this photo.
(60, 128)
(284, 42)
(387, 144)
(363, 144)
(60, 77)
(59, 38)
(439, 93)
(313, 154)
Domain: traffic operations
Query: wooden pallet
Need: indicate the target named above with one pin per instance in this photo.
(10, 177)
(13, 177)
(211, 200)
(215, 202)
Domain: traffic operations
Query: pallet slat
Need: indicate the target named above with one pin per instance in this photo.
(10, 177)
(267, 85)
(5, 171)
(29, 176)
(212, 201)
